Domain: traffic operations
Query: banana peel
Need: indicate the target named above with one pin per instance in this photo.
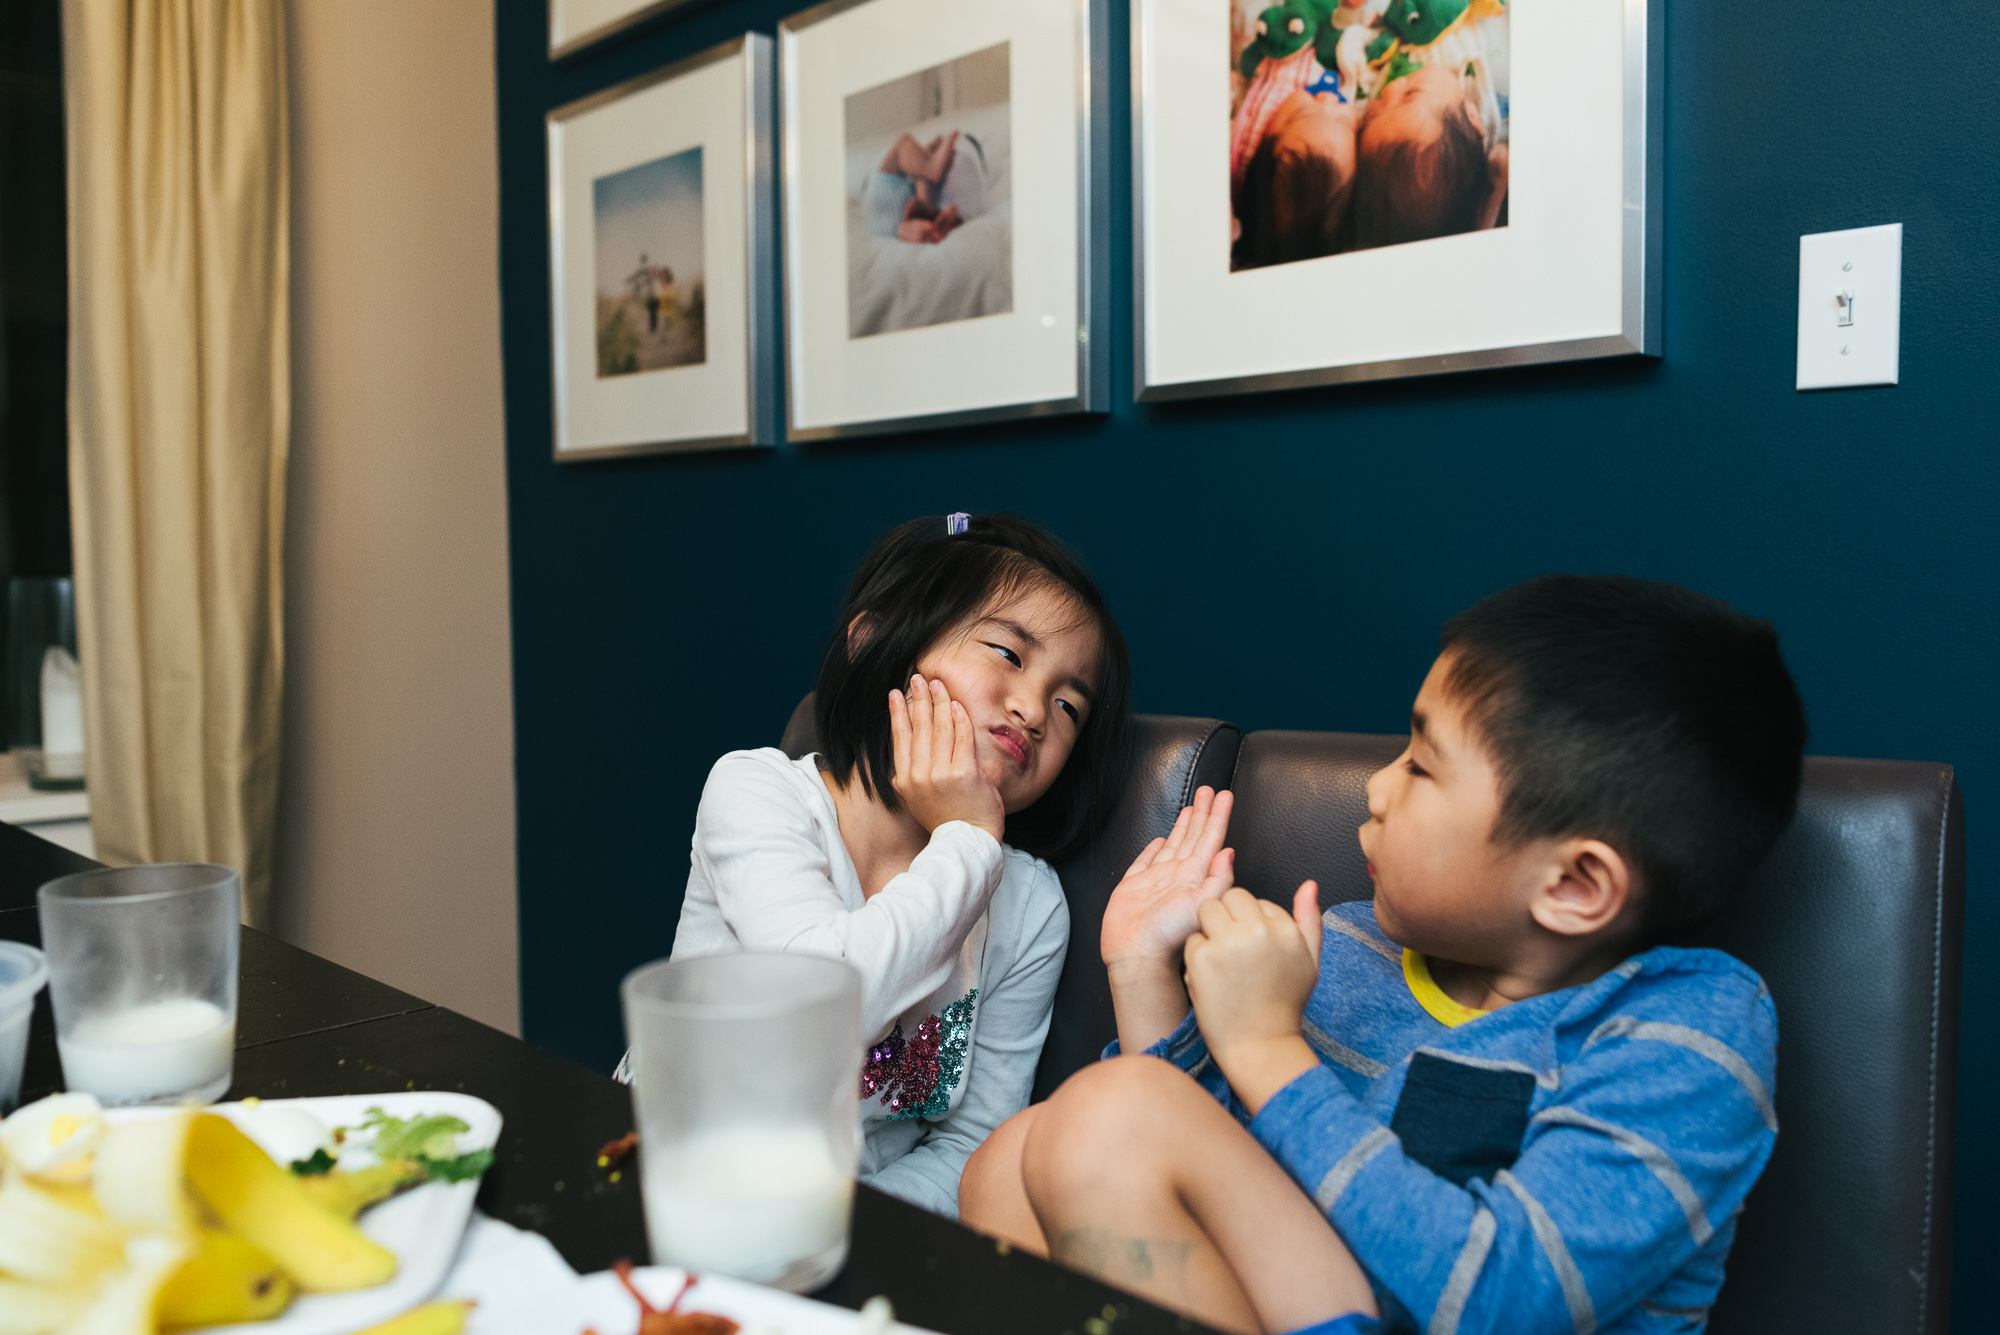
(124, 1304)
(267, 1206)
(45, 1243)
(347, 1194)
(446, 1318)
(138, 1181)
(226, 1280)
(29, 1309)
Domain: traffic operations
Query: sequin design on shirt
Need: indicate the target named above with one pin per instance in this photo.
(916, 1074)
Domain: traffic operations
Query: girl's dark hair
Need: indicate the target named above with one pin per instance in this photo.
(916, 587)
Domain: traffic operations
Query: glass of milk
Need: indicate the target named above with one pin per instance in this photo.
(745, 1072)
(142, 974)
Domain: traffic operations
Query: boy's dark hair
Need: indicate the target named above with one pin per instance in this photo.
(918, 585)
(1413, 192)
(1640, 713)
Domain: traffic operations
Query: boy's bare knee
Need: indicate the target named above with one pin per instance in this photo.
(1099, 1119)
(994, 1170)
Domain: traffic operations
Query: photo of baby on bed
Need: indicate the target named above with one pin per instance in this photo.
(930, 213)
(1364, 123)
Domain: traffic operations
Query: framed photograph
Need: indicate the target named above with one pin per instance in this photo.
(575, 24)
(944, 236)
(1391, 188)
(661, 259)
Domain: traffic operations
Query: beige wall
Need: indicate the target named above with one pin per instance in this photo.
(396, 829)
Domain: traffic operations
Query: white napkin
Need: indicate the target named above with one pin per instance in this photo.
(523, 1287)
(519, 1280)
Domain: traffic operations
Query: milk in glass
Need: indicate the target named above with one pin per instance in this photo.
(749, 1201)
(172, 1050)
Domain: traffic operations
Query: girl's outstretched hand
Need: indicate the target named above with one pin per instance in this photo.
(937, 775)
(1154, 910)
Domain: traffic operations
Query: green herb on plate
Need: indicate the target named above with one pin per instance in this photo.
(319, 1164)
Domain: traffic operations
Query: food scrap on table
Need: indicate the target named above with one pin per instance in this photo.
(672, 1321)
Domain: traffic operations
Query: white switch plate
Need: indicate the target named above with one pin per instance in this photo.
(1868, 262)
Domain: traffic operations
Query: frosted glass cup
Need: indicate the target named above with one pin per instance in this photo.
(142, 973)
(22, 973)
(746, 1071)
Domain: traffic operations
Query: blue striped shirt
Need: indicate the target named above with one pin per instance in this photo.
(1569, 1163)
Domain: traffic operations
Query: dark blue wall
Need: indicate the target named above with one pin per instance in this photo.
(1286, 561)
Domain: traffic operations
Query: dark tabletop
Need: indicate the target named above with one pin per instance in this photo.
(306, 1026)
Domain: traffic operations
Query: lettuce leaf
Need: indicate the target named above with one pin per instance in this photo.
(463, 1168)
(430, 1140)
(432, 1136)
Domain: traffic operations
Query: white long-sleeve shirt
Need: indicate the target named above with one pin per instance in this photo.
(958, 957)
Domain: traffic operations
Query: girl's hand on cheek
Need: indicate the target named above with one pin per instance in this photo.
(937, 773)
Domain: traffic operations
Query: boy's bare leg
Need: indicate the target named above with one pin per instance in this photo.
(1137, 1176)
(991, 1197)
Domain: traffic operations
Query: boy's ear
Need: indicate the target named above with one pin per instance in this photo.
(1592, 886)
(858, 631)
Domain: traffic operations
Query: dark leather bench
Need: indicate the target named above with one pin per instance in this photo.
(1855, 923)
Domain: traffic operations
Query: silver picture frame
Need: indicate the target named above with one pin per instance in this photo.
(563, 42)
(1093, 271)
(1643, 93)
(759, 289)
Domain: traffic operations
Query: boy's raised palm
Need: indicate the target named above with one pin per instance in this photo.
(937, 772)
(1153, 910)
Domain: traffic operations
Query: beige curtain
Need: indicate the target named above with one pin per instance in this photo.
(179, 407)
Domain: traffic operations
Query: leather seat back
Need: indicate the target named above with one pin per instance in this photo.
(1855, 924)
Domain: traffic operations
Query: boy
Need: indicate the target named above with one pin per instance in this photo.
(1489, 1100)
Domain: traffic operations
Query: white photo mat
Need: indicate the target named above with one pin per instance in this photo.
(1574, 273)
(718, 102)
(1031, 360)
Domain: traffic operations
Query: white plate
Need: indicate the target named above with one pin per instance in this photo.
(422, 1226)
(602, 1305)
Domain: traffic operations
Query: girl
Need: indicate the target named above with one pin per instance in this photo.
(975, 687)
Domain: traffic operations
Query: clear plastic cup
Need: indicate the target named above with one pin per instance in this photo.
(22, 973)
(746, 1071)
(142, 973)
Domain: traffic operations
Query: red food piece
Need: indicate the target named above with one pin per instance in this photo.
(673, 1321)
(617, 1151)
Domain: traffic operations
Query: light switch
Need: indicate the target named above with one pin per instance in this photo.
(1850, 307)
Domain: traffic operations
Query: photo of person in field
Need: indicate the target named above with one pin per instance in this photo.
(1364, 123)
(651, 304)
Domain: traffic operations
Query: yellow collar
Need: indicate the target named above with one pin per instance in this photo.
(1417, 973)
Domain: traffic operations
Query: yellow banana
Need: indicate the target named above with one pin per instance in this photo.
(267, 1206)
(226, 1280)
(348, 1194)
(430, 1319)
